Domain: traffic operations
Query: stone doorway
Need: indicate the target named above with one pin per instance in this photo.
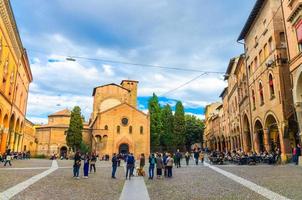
(63, 152)
(124, 148)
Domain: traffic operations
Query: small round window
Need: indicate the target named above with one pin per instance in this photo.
(125, 121)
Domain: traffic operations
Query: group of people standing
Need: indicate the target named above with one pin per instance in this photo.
(162, 163)
(89, 161)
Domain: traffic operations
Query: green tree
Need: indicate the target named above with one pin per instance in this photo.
(74, 132)
(179, 126)
(166, 138)
(84, 148)
(194, 131)
(155, 122)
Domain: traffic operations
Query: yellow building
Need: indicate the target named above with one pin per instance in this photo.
(292, 10)
(51, 138)
(29, 142)
(117, 125)
(272, 110)
(212, 125)
(15, 77)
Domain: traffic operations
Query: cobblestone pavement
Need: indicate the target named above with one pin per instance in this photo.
(188, 183)
(28, 163)
(9, 178)
(196, 183)
(282, 179)
(60, 184)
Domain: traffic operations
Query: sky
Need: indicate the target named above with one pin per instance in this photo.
(198, 34)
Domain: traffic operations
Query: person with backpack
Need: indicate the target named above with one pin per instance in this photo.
(130, 166)
(187, 157)
(152, 162)
(8, 159)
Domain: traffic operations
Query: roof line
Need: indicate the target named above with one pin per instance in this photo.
(254, 13)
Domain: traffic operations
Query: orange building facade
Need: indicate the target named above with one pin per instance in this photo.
(262, 97)
(15, 77)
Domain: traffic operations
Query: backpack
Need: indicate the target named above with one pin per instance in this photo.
(152, 161)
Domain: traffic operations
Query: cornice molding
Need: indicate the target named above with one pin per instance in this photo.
(11, 27)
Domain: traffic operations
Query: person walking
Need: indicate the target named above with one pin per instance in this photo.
(92, 163)
(130, 165)
(114, 161)
(196, 156)
(77, 165)
(152, 162)
(178, 158)
(159, 165)
(298, 153)
(201, 157)
(86, 165)
(294, 154)
(170, 162)
(187, 157)
(8, 159)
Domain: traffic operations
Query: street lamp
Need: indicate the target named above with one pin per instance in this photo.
(71, 59)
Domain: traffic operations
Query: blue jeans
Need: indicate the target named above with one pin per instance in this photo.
(76, 171)
(113, 170)
(151, 171)
(129, 170)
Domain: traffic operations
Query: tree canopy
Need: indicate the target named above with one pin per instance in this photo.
(172, 131)
(74, 132)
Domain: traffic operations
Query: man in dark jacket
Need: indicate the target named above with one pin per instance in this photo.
(77, 164)
(114, 165)
(152, 162)
(130, 165)
(298, 153)
(178, 158)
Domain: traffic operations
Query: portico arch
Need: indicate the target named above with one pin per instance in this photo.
(259, 138)
(218, 144)
(12, 125)
(297, 92)
(223, 146)
(272, 136)
(247, 140)
(1, 122)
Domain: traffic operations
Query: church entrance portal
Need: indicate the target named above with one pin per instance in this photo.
(63, 152)
(124, 149)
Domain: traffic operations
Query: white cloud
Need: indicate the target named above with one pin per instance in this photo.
(164, 33)
(199, 116)
(108, 70)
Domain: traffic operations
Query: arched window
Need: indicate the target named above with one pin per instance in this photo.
(5, 72)
(118, 129)
(106, 127)
(271, 86)
(130, 129)
(253, 99)
(141, 130)
(261, 94)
